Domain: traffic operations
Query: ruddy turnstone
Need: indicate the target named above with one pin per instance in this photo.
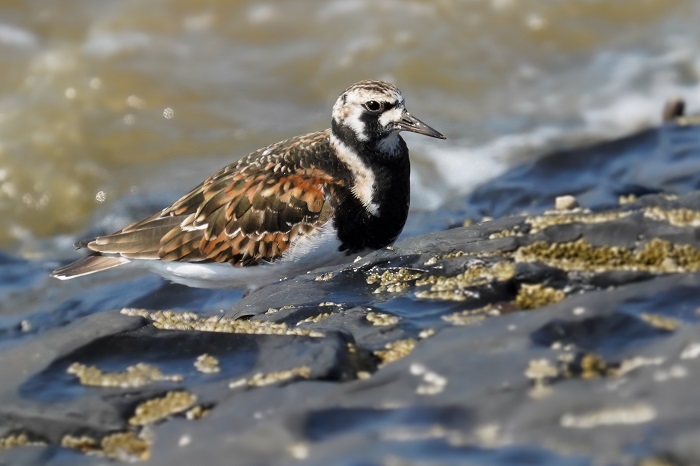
(298, 204)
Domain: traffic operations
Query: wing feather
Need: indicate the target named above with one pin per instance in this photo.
(246, 213)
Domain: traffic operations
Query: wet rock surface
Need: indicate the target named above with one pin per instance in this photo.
(567, 337)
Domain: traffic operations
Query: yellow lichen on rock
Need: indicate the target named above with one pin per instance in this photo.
(122, 446)
(462, 319)
(393, 281)
(395, 350)
(450, 255)
(575, 255)
(207, 364)
(260, 379)
(540, 370)
(656, 255)
(625, 199)
(471, 316)
(618, 415)
(675, 217)
(515, 231)
(659, 321)
(687, 257)
(126, 446)
(324, 277)
(315, 319)
(189, 321)
(553, 218)
(137, 375)
(155, 409)
(196, 413)
(593, 366)
(453, 288)
(536, 296)
(478, 274)
(16, 440)
(687, 120)
(380, 319)
(84, 444)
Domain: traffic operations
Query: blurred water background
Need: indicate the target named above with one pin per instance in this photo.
(104, 100)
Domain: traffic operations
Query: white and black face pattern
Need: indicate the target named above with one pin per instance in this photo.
(373, 113)
(371, 109)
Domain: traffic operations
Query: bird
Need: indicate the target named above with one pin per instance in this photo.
(313, 200)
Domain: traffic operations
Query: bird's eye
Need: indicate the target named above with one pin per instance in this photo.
(373, 106)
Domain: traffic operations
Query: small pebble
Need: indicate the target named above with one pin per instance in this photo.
(565, 203)
(673, 108)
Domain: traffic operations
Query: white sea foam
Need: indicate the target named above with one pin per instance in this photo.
(13, 35)
(633, 88)
(458, 168)
(106, 44)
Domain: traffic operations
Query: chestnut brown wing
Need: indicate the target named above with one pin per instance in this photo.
(251, 218)
(238, 217)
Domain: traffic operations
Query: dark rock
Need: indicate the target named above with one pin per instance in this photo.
(658, 160)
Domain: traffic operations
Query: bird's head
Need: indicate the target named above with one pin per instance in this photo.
(374, 112)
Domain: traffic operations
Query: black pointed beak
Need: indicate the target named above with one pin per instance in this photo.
(410, 123)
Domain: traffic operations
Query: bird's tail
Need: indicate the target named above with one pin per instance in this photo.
(88, 265)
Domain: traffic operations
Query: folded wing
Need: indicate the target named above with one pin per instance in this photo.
(236, 217)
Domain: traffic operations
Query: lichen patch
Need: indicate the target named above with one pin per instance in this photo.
(535, 296)
(189, 321)
(17, 440)
(541, 369)
(515, 231)
(126, 446)
(122, 446)
(324, 277)
(450, 255)
(626, 199)
(454, 288)
(393, 281)
(620, 415)
(395, 350)
(315, 319)
(553, 218)
(676, 217)
(83, 444)
(541, 372)
(207, 364)
(471, 316)
(656, 256)
(589, 366)
(261, 379)
(659, 321)
(380, 319)
(137, 375)
(156, 409)
(196, 413)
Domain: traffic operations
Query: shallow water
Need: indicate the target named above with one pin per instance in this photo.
(98, 101)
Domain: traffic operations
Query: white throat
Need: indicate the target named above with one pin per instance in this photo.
(363, 185)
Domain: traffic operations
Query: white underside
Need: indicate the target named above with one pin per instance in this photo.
(316, 250)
